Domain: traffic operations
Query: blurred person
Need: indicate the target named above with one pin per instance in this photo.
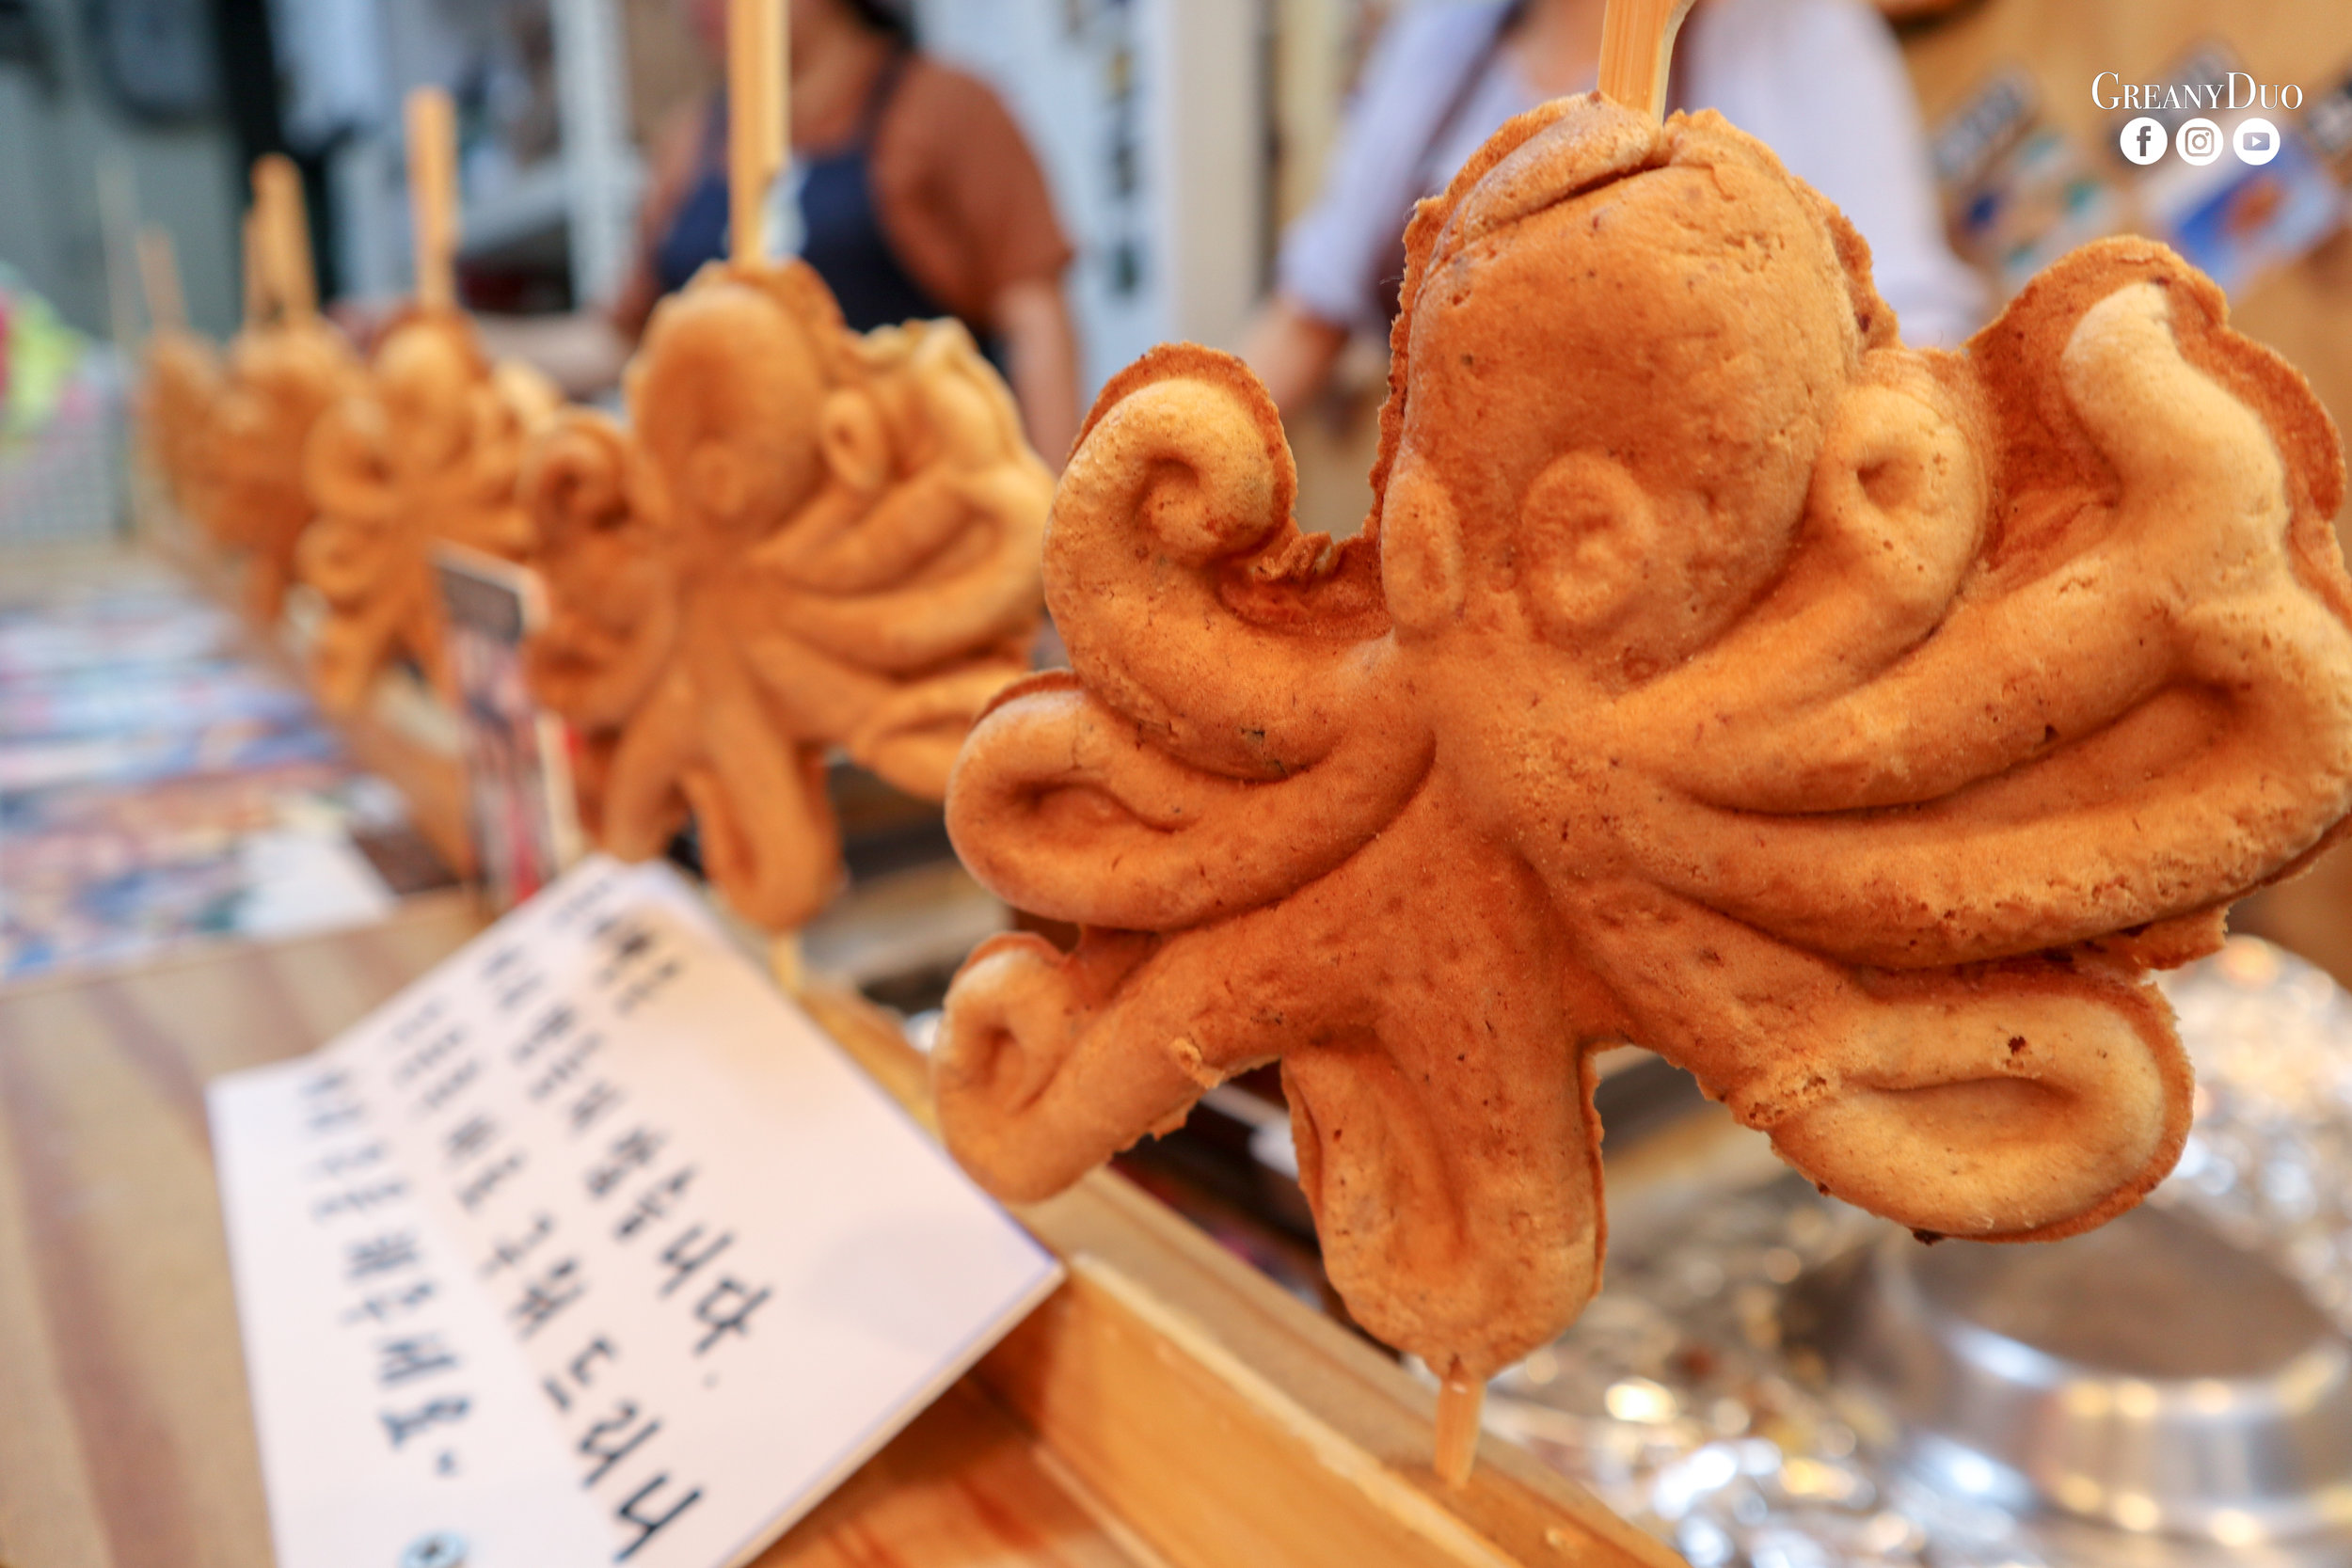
(1820, 81)
(917, 198)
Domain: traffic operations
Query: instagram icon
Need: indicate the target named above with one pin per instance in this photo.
(2200, 141)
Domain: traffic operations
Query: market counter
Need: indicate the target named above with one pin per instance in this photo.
(1168, 1406)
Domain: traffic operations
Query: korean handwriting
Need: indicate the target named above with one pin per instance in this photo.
(612, 1428)
(356, 1191)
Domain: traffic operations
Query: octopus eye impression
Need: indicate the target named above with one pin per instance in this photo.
(1856, 726)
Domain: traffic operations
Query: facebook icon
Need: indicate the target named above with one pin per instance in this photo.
(2143, 140)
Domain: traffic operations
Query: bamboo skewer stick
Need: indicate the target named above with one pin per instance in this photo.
(775, 57)
(1459, 1401)
(159, 281)
(1637, 41)
(789, 963)
(756, 115)
(285, 237)
(432, 195)
(256, 271)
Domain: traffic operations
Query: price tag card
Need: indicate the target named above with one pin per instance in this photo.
(588, 1247)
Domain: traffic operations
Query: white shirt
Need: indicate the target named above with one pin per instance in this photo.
(1820, 82)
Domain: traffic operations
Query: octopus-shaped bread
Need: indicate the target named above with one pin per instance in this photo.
(178, 396)
(809, 539)
(429, 448)
(281, 378)
(1853, 725)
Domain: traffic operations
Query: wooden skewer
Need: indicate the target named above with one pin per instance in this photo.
(1459, 1401)
(285, 236)
(256, 271)
(1637, 41)
(775, 54)
(756, 42)
(432, 195)
(159, 281)
(787, 964)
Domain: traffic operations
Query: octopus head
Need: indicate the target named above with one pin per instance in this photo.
(727, 391)
(1721, 323)
(425, 373)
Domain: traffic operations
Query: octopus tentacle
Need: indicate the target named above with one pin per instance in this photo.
(911, 736)
(612, 615)
(639, 807)
(2194, 563)
(769, 838)
(813, 694)
(777, 864)
(1188, 596)
(937, 615)
(1065, 807)
(849, 542)
(1449, 1154)
(2200, 673)
(2051, 1095)
(1048, 1063)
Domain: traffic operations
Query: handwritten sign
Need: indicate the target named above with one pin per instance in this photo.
(589, 1247)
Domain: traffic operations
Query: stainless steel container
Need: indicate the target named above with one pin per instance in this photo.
(2148, 1377)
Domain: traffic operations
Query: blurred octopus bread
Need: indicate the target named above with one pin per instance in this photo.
(808, 539)
(429, 446)
(282, 377)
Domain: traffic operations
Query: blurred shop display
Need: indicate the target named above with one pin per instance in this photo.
(2018, 192)
(2029, 154)
(548, 174)
(2329, 122)
(2234, 218)
(61, 425)
(159, 786)
(1151, 118)
(157, 56)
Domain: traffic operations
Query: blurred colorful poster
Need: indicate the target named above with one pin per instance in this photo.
(2018, 192)
(97, 876)
(2242, 192)
(2237, 221)
(526, 830)
(159, 785)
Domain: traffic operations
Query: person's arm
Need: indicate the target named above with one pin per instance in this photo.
(1041, 348)
(580, 350)
(1292, 350)
(965, 203)
(1326, 275)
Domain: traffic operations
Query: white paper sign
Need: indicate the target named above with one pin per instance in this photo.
(589, 1247)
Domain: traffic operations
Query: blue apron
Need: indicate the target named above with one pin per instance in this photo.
(843, 238)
